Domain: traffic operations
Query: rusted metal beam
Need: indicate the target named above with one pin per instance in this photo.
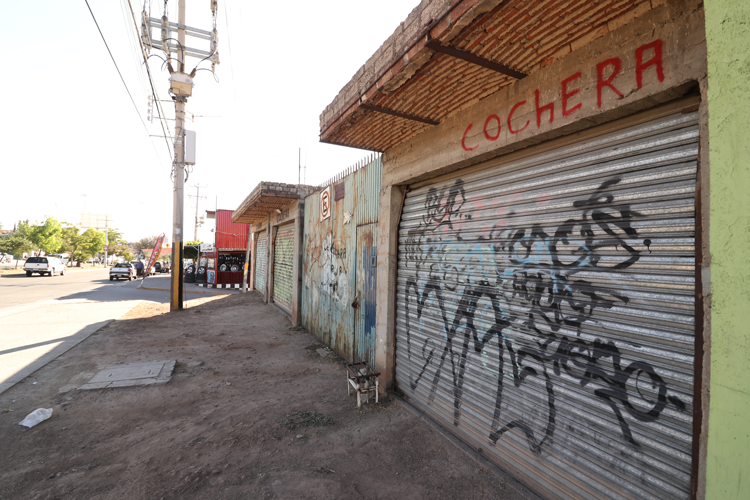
(436, 46)
(387, 111)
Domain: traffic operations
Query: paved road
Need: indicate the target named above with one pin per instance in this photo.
(41, 317)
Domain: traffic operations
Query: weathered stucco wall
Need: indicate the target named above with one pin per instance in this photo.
(728, 40)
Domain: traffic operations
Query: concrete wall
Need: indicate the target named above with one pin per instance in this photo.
(728, 451)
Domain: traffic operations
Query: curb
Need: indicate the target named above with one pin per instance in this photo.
(225, 286)
(184, 291)
(67, 270)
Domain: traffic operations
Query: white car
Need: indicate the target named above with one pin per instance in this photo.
(44, 265)
(124, 270)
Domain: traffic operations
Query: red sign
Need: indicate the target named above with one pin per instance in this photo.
(154, 254)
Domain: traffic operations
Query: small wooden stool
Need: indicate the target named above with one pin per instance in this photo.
(363, 379)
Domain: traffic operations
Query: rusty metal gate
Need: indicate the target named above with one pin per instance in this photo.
(545, 311)
(261, 256)
(283, 267)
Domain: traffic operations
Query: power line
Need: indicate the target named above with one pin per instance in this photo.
(155, 95)
(116, 67)
(231, 58)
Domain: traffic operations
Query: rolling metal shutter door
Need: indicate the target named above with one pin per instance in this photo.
(260, 263)
(545, 311)
(282, 267)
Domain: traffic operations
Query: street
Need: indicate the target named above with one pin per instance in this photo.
(41, 317)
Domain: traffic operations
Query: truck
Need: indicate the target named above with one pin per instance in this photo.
(44, 265)
(124, 270)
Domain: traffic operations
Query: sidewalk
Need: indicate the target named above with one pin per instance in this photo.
(253, 410)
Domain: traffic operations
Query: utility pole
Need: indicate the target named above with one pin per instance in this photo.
(175, 301)
(197, 197)
(181, 87)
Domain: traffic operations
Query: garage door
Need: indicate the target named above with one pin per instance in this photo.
(545, 311)
(282, 267)
(261, 255)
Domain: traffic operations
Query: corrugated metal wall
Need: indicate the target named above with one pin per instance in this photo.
(261, 256)
(283, 266)
(230, 235)
(545, 311)
(330, 260)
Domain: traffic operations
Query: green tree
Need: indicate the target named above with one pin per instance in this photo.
(47, 237)
(16, 244)
(91, 242)
(118, 245)
(81, 246)
(191, 253)
(71, 236)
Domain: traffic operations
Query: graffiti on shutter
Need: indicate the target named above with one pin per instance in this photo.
(545, 308)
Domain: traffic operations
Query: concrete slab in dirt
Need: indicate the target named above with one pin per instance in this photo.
(132, 374)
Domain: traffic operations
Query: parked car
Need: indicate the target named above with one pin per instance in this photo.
(64, 257)
(124, 270)
(44, 265)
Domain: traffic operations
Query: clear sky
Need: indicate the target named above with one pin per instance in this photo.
(72, 141)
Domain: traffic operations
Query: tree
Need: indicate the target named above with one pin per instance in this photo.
(16, 244)
(47, 237)
(81, 246)
(147, 243)
(118, 245)
(91, 242)
(191, 253)
(71, 236)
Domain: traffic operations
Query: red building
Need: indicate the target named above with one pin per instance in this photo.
(224, 262)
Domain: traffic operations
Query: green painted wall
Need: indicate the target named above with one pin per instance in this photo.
(728, 39)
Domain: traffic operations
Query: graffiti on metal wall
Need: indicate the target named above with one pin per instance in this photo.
(328, 256)
(543, 286)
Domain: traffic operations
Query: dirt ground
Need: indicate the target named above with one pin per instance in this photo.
(253, 411)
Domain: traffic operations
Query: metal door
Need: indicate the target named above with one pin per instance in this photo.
(366, 276)
(283, 267)
(260, 263)
(545, 311)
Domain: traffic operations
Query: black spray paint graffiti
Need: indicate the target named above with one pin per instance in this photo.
(544, 286)
(326, 263)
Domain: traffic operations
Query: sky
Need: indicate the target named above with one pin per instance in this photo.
(73, 142)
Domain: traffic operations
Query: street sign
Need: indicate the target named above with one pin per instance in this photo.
(325, 204)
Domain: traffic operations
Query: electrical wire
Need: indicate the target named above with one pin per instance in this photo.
(231, 58)
(155, 95)
(134, 53)
(116, 67)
